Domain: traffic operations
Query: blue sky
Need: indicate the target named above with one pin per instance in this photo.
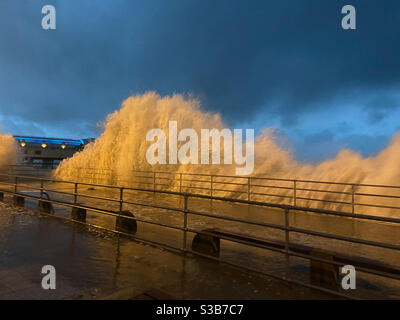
(286, 64)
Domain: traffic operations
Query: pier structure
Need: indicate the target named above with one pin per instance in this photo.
(46, 152)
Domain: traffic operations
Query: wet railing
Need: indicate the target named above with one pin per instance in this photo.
(338, 196)
(24, 186)
(35, 170)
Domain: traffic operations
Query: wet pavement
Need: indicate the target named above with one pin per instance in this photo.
(93, 265)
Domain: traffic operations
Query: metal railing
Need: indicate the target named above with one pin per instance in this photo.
(36, 170)
(338, 196)
(15, 185)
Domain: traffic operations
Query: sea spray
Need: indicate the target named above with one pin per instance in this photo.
(121, 149)
(8, 150)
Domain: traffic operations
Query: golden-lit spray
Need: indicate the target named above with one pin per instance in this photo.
(8, 150)
(122, 148)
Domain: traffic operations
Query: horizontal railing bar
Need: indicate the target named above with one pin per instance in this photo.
(292, 253)
(269, 186)
(11, 184)
(231, 183)
(222, 217)
(27, 187)
(223, 237)
(326, 191)
(144, 177)
(56, 191)
(196, 181)
(225, 190)
(7, 184)
(376, 195)
(192, 187)
(359, 268)
(348, 184)
(131, 182)
(375, 206)
(31, 178)
(163, 178)
(323, 200)
(191, 180)
(271, 195)
(153, 206)
(96, 197)
(342, 238)
(346, 214)
(162, 184)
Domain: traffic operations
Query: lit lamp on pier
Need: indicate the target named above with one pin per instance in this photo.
(23, 143)
(44, 144)
(63, 145)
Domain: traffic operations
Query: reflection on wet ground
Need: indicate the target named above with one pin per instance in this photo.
(92, 264)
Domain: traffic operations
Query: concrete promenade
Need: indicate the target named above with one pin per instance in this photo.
(93, 265)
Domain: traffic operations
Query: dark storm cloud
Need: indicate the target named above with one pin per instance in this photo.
(380, 107)
(283, 58)
(319, 146)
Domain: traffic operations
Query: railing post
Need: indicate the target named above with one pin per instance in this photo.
(294, 193)
(287, 243)
(75, 192)
(185, 213)
(248, 189)
(212, 181)
(41, 188)
(154, 182)
(180, 182)
(16, 184)
(121, 198)
(352, 198)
